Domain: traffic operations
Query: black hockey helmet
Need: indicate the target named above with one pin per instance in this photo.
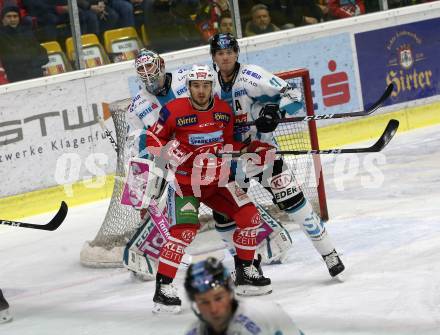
(206, 275)
(223, 41)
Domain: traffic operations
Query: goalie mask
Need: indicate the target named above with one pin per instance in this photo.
(206, 275)
(150, 67)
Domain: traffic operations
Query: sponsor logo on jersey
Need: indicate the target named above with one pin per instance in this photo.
(208, 138)
(241, 118)
(223, 117)
(251, 74)
(240, 93)
(281, 181)
(184, 121)
(148, 110)
(182, 90)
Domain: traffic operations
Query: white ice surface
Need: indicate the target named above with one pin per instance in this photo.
(389, 236)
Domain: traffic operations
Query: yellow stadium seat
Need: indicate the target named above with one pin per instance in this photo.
(58, 62)
(122, 43)
(94, 53)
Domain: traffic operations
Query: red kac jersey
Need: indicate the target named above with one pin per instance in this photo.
(198, 133)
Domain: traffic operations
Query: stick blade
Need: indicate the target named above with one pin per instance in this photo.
(387, 135)
(382, 99)
(58, 218)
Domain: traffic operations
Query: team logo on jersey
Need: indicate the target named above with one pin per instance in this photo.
(223, 117)
(185, 121)
(208, 138)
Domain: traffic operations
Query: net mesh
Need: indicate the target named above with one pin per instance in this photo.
(121, 221)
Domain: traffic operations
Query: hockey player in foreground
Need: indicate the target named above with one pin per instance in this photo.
(188, 135)
(209, 288)
(5, 316)
(161, 87)
(256, 94)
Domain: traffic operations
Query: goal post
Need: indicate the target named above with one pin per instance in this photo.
(121, 221)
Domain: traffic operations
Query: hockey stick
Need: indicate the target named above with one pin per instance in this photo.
(108, 133)
(52, 225)
(369, 111)
(381, 143)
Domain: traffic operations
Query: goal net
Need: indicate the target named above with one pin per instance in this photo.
(121, 222)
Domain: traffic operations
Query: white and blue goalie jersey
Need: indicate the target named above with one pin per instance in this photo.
(144, 109)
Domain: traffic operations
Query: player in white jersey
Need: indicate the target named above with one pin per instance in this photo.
(209, 288)
(5, 316)
(256, 94)
(160, 87)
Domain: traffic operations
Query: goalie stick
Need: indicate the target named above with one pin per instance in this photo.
(52, 225)
(381, 143)
(374, 107)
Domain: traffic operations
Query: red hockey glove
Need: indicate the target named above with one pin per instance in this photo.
(264, 150)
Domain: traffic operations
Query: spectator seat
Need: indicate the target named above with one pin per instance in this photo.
(94, 53)
(122, 44)
(58, 62)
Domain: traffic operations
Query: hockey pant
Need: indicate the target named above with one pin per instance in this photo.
(184, 222)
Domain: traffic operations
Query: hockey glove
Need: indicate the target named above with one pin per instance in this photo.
(268, 120)
(291, 101)
(264, 150)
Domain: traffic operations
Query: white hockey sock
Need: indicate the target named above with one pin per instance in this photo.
(313, 227)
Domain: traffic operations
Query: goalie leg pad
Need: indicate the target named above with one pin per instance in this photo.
(142, 251)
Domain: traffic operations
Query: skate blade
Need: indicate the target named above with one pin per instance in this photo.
(5, 316)
(164, 309)
(340, 277)
(249, 290)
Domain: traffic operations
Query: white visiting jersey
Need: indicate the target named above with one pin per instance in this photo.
(253, 88)
(254, 318)
(144, 110)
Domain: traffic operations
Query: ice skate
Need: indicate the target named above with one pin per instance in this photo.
(166, 300)
(249, 279)
(334, 263)
(5, 315)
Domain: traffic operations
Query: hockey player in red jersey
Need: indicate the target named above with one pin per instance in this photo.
(188, 134)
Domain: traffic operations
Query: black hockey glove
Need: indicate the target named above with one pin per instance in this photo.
(268, 120)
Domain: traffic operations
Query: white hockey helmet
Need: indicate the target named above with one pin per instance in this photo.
(150, 67)
(200, 72)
